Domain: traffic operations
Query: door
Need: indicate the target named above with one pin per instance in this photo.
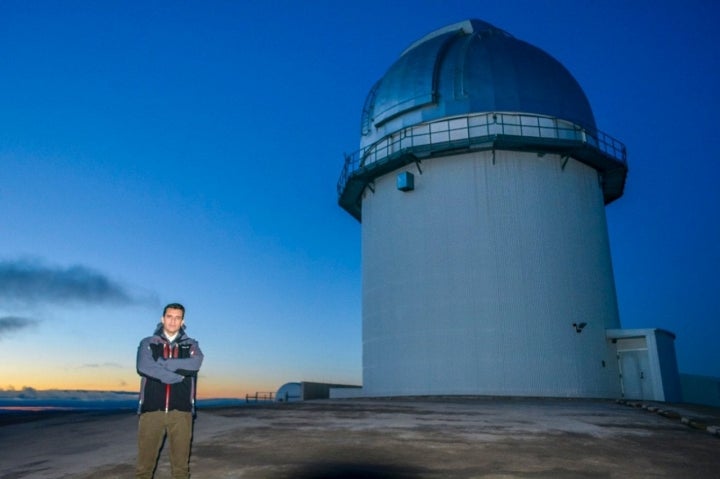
(635, 374)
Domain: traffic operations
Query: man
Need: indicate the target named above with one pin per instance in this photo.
(168, 362)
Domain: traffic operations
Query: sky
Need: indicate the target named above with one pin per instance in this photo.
(153, 152)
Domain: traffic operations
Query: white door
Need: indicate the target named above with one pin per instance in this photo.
(635, 374)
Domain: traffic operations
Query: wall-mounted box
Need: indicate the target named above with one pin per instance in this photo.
(405, 181)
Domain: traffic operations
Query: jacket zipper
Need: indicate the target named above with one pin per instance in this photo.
(169, 352)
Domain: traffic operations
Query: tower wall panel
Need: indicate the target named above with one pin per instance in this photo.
(473, 280)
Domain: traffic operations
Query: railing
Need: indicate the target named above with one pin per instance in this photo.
(474, 130)
(259, 396)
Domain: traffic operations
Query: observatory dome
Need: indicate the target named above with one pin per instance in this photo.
(471, 67)
(471, 86)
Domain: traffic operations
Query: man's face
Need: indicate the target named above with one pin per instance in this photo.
(172, 321)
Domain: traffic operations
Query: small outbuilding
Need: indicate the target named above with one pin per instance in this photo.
(289, 392)
(647, 363)
(305, 391)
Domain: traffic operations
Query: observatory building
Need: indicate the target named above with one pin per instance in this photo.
(480, 185)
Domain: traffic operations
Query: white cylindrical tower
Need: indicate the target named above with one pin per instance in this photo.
(480, 186)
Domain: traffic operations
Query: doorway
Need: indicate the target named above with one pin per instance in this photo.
(635, 374)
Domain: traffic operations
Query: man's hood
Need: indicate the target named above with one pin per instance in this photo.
(159, 331)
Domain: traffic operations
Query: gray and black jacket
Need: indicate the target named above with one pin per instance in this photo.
(169, 372)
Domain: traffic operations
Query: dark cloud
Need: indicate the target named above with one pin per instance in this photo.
(30, 282)
(9, 324)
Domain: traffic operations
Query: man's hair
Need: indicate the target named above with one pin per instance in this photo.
(174, 306)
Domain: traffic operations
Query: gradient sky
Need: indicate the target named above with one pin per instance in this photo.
(188, 151)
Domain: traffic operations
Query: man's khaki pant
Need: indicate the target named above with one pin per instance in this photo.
(152, 428)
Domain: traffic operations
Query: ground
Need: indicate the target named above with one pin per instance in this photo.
(442, 437)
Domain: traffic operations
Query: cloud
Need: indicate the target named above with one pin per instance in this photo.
(10, 324)
(32, 282)
(101, 365)
(25, 393)
(64, 394)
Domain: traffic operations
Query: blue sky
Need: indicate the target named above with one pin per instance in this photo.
(188, 151)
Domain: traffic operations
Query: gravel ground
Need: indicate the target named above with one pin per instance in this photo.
(441, 437)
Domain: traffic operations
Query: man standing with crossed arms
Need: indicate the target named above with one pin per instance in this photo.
(168, 363)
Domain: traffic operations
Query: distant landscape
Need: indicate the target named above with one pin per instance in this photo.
(31, 400)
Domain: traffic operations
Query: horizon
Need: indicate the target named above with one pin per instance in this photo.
(31, 394)
(29, 400)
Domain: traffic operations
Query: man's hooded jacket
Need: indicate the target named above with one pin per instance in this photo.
(169, 372)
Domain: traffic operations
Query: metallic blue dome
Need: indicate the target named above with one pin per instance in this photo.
(471, 67)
